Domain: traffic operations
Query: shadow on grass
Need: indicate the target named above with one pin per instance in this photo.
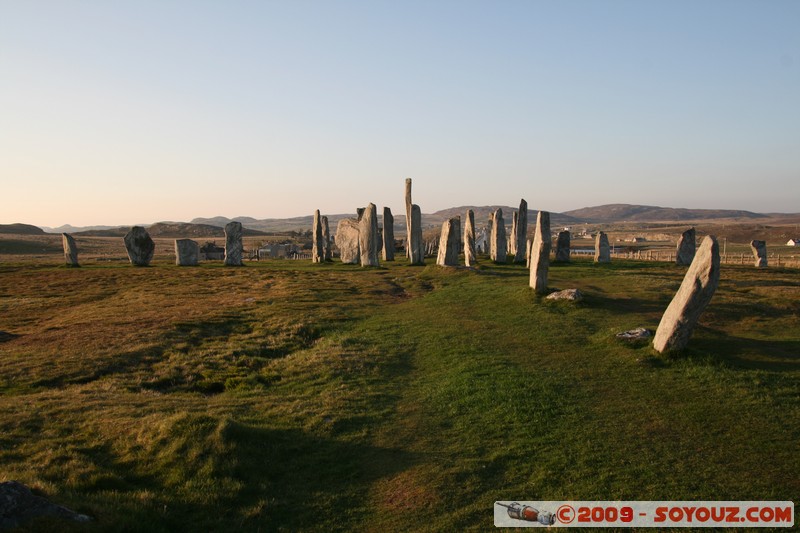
(742, 352)
(217, 474)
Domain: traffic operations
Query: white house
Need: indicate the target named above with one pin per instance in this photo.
(793, 242)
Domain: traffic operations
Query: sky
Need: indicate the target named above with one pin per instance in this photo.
(125, 112)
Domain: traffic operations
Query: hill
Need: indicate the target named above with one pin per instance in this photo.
(171, 229)
(649, 213)
(20, 229)
(482, 215)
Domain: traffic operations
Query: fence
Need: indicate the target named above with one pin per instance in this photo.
(773, 259)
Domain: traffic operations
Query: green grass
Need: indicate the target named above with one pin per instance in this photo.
(290, 396)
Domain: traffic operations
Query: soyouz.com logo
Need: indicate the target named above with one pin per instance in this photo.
(644, 514)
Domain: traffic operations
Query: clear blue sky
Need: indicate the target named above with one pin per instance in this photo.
(121, 112)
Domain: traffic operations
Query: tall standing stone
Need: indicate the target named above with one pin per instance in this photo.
(470, 254)
(187, 252)
(450, 242)
(520, 234)
(602, 251)
(70, 250)
(317, 245)
(326, 240)
(562, 247)
(416, 245)
(489, 231)
(540, 253)
(759, 253)
(512, 241)
(368, 236)
(690, 301)
(388, 234)
(347, 241)
(408, 220)
(498, 245)
(233, 244)
(528, 246)
(140, 246)
(686, 248)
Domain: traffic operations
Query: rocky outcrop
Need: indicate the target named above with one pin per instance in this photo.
(694, 294)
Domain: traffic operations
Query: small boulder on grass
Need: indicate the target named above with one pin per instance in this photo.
(572, 295)
(19, 505)
(633, 335)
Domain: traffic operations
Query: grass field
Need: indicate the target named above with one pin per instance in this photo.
(289, 396)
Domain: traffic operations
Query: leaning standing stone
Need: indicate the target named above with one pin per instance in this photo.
(759, 253)
(520, 234)
(70, 250)
(469, 239)
(140, 246)
(562, 247)
(347, 241)
(317, 245)
(690, 301)
(368, 236)
(388, 234)
(187, 252)
(498, 245)
(602, 251)
(233, 244)
(449, 243)
(686, 248)
(540, 253)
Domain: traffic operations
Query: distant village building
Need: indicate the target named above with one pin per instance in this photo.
(278, 251)
(211, 252)
(793, 242)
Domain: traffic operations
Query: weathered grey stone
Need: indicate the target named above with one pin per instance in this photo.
(70, 250)
(187, 252)
(317, 240)
(759, 253)
(140, 246)
(602, 251)
(489, 232)
(520, 233)
(540, 253)
(686, 248)
(368, 237)
(635, 334)
(512, 238)
(19, 505)
(498, 246)
(326, 240)
(528, 246)
(408, 221)
(388, 235)
(690, 301)
(347, 241)
(233, 244)
(562, 247)
(449, 242)
(470, 254)
(573, 295)
(416, 245)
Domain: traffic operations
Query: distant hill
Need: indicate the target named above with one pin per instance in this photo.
(67, 228)
(20, 229)
(482, 215)
(170, 230)
(648, 213)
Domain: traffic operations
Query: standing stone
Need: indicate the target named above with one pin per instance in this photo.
(528, 246)
(562, 247)
(408, 220)
(233, 244)
(498, 245)
(759, 253)
(695, 292)
(326, 240)
(489, 231)
(416, 245)
(347, 241)
(686, 248)
(317, 245)
(512, 241)
(140, 246)
(602, 251)
(520, 234)
(70, 250)
(388, 234)
(450, 242)
(368, 236)
(470, 254)
(187, 252)
(540, 253)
